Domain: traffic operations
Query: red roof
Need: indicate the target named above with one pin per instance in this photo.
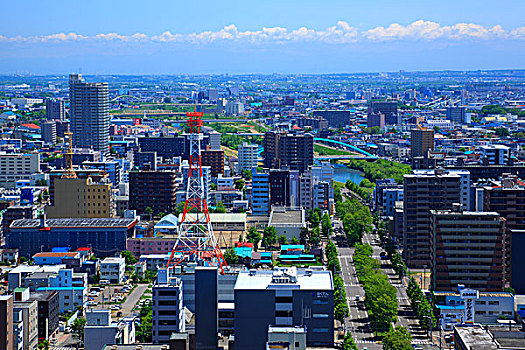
(31, 126)
(83, 249)
(244, 244)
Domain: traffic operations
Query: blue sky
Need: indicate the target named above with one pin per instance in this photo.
(286, 36)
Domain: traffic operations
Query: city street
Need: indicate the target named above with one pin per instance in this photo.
(357, 322)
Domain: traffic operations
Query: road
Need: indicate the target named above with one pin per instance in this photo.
(358, 322)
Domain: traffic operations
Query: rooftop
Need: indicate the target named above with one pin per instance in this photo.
(62, 223)
(282, 216)
(304, 279)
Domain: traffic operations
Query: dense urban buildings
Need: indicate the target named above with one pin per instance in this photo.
(421, 141)
(292, 151)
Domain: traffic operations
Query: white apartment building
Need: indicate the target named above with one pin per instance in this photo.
(247, 156)
(14, 167)
(113, 269)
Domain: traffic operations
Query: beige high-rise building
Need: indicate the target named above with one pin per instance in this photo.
(6, 322)
(82, 198)
(421, 141)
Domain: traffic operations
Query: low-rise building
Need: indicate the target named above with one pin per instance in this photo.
(113, 269)
(288, 222)
(101, 330)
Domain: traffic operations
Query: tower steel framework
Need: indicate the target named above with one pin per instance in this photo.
(196, 241)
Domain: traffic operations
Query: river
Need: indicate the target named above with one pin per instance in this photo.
(342, 173)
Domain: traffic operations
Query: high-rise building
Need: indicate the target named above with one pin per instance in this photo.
(292, 151)
(335, 118)
(375, 119)
(168, 310)
(29, 310)
(457, 115)
(234, 108)
(154, 189)
(279, 187)
(286, 298)
(468, 248)
(81, 198)
(49, 132)
(55, 109)
(214, 158)
(260, 193)
(248, 156)
(62, 126)
(388, 109)
(213, 95)
(89, 114)
(166, 147)
(6, 322)
(424, 191)
(421, 141)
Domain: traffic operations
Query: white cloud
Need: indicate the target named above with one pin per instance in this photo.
(341, 33)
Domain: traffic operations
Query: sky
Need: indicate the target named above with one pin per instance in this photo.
(270, 36)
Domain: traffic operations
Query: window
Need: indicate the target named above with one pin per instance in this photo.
(493, 302)
(320, 330)
(284, 299)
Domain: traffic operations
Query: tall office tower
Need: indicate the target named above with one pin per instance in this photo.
(424, 191)
(248, 156)
(457, 114)
(279, 187)
(213, 95)
(260, 193)
(168, 311)
(234, 108)
(421, 141)
(293, 151)
(6, 322)
(468, 248)
(388, 109)
(49, 132)
(89, 114)
(55, 109)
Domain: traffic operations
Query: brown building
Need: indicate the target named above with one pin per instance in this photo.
(81, 198)
(425, 191)
(214, 158)
(421, 141)
(6, 322)
(154, 189)
(293, 151)
(468, 248)
(375, 119)
(95, 174)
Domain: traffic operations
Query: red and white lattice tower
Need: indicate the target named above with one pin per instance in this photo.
(196, 241)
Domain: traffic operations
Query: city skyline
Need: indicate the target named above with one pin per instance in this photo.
(231, 37)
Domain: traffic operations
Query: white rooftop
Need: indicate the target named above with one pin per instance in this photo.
(283, 278)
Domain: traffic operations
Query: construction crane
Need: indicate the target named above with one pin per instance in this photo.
(69, 172)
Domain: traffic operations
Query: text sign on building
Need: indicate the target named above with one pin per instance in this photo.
(468, 296)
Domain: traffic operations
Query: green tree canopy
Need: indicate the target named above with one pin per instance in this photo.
(398, 339)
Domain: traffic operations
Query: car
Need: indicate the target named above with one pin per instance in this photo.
(105, 282)
(92, 303)
(416, 347)
(357, 298)
(449, 338)
(114, 307)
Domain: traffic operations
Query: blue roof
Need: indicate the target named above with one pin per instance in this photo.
(292, 246)
(455, 307)
(59, 288)
(266, 254)
(60, 249)
(243, 252)
(296, 257)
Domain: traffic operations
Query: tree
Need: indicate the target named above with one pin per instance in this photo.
(349, 343)
(254, 237)
(78, 326)
(239, 184)
(247, 174)
(44, 345)
(509, 290)
(213, 186)
(398, 339)
(294, 240)
(269, 236)
(502, 132)
(282, 239)
(314, 219)
(315, 238)
(148, 211)
(326, 225)
(230, 256)
(220, 208)
(130, 258)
